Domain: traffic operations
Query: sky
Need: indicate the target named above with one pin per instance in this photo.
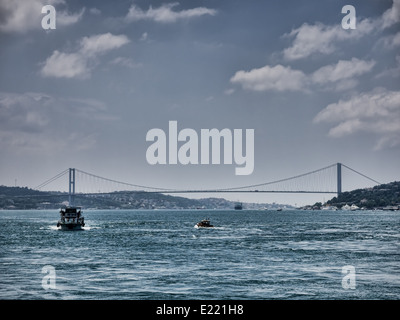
(85, 94)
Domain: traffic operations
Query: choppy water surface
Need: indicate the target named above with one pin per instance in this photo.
(160, 255)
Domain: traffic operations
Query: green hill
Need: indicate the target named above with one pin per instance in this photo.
(383, 195)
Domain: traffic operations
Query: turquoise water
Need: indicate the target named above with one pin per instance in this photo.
(160, 255)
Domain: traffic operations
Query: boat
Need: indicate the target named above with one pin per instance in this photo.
(354, 207)
(204, 224)
(332, 208)
(238, 206)
(71, 218)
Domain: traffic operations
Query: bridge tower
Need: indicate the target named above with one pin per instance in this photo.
(71, 195)
(339, 178)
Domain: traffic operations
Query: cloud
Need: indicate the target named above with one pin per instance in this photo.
(393, 72)
(281, 78)
(165, 14)
(392, 41)
(64, 18)
(65, 65)
(125, 62)
(342, 73)
(309, 39)
(24, 15)
(229, 91)
(101, 43)
(323, 39)
(277, 78)
(41, 122)
(95, 11)
(16, 115)
(376, 112)
(79, 64)
(391, 16)
(144, 36)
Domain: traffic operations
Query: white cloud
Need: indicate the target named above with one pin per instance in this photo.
(125, 62)
(65, 65)
(393, 72)
(320, 38)
(144, 36)
(79, 64)
(101, 43)
(376, 112)
(396, 40)
(309, 39)
(365, 105)
(342, 73)
(392, 41)
(165, 14)
(64, 18)
(229, 91)
(281, 78)
(277, 78)
(391, 16)
(25, 15)
(323, 39)
(95, 11)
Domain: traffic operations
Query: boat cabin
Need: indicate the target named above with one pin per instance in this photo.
(71, 212)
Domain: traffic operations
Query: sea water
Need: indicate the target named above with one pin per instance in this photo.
(158, 254)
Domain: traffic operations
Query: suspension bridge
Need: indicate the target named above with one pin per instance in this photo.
(327, 180)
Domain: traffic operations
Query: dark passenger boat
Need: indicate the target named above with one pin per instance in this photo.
(71, 218)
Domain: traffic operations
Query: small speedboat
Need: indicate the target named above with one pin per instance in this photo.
(238, 206)
(204, 224)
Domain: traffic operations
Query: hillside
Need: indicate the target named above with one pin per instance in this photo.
(24, 198)
(380, 196)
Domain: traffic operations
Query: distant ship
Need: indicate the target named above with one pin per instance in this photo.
(238, 206)
(71, 218)
(333, 208)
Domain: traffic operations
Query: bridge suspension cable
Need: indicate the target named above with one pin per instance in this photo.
(281, 180)
(56, 177)
(324, 180)
(361, 174)
(120, 182)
